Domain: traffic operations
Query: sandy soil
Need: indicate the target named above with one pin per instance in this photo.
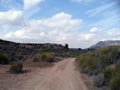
(62, 76)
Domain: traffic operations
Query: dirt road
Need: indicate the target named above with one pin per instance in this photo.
(62, 76)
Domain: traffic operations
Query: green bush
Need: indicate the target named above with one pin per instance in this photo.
(107, 55)
(98, 59)
(105, 61)
(108, 73)
(16, 68)
(117, 67)
(115, 80)
(36, 57)
(88, 62)
(99, 80)
(115, 83)
(4, 59)
(47, 57)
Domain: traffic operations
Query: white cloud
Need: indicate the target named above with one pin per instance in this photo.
(58, 28)
(17, 34)
(75, 39)
(30, 3)
(8, 35)
(11, 17)
(60, 21)
(93, 29)
(115, 32)
(87, 36)
(102, 8)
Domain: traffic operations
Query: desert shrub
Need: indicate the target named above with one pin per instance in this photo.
(36, 57)
(16, 68)
(4, 59)
(112, 76)
(88, 62)
(20, 57)
(105, 61)
(115, 83)
(115, 80)
(107, 55)
(108, 73)
(117, 67)
(13, 59)
(99, 80)
(47, 57)
(111, 49)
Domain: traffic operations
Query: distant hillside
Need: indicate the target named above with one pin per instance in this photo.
(21, 51)
(102, 44)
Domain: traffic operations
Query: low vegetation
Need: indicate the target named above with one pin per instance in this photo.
(88, 62)
(45, 57)
(16, 68)
(4, 59)
(103, 64)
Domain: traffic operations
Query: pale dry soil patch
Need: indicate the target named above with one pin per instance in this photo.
(62, 76)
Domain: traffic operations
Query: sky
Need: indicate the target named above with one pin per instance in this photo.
(79, 23)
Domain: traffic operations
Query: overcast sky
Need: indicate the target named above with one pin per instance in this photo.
(80, 23)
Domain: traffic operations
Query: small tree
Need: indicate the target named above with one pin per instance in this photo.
(79, 49)
(66, 46)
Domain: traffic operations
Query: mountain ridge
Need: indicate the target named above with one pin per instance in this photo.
(106, 43)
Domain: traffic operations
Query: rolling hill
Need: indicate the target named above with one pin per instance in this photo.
(107, 43)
